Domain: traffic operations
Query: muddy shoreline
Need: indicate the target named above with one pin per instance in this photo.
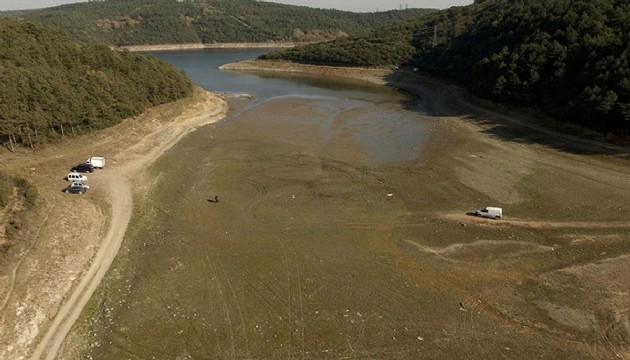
(375, 76)
(199, 46)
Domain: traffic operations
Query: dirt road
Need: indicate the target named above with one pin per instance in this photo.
(120, 193)
(37, 280)
(119, 182)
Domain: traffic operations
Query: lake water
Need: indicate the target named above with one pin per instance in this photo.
(298, 259)
(385, 128)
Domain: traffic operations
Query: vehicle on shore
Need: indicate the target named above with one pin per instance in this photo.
(84, 184)
(76, 189)
(83, 167)
(490, 212)
(98, 162)
(75, 176)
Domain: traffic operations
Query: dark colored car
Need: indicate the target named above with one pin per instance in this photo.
(75, 189)
(85, 167)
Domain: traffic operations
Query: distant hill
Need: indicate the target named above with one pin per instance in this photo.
(52, 86)
(570, 58)
(140, 22)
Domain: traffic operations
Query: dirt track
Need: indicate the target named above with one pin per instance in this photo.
(121, 203)
(119, 187)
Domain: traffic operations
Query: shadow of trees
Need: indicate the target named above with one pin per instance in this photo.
(439, 98)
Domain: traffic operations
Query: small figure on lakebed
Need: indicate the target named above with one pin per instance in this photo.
(215, 200)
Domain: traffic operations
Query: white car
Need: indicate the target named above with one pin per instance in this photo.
(74, 176)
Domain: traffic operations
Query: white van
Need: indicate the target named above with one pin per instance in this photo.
(96, 161)
(490, 212)
(74, 176)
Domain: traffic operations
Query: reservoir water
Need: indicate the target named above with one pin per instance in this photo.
(300, 258)
(378, 121)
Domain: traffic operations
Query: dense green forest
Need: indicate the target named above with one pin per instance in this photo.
(52, 86)
(569, 58)
(138, 22)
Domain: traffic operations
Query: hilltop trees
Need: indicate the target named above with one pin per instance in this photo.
(383, 47)
(571, 58)
(53, 87)
(139, 22)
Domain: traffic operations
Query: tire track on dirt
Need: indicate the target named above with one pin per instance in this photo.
(121, 202)
(228, 317)
(7, 297)
(134, 159)
(538, 224)
(300, 293)
(236, 301)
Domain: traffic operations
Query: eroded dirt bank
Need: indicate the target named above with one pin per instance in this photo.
(169, 47)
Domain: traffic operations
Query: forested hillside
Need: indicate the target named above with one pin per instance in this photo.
(52, 86)
(570, 58)
(139, 22)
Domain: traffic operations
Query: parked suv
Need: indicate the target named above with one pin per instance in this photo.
(84, 167)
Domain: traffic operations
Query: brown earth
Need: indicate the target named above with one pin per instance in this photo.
(565, 203)
(563, 247)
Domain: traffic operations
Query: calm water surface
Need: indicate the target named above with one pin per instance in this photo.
(385, 128)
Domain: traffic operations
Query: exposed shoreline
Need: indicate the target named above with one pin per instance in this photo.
(372, 75)
(420, 84)
(198, 46)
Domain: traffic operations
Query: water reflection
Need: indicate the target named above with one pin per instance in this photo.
(378, 118)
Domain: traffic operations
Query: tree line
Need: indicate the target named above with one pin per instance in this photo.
(569, 58)
(53, 86)
(139, 22)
